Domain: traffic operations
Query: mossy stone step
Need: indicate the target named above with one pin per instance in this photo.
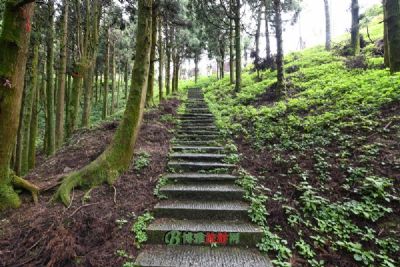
(198, 132)
(247, 233)
(200, 149)
(203, 191)
(198, 128)
(200, 166)
(197, 210)
(201, 177)
(196, 115)
(185, 256)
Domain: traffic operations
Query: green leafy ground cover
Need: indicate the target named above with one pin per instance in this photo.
(326, 156)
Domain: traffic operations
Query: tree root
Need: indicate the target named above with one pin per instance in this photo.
(24, 184)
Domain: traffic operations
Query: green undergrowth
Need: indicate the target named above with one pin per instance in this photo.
(139, 228)
(328, 145)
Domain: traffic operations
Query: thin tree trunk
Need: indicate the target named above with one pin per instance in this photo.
(30, 99)
(355, 27)
(20, 135)
(327, 26)
(33, 131)
(118, 156)
(258, 33)
(393, 27)
(63, 70)
(112, 78)
(118, 89)
(267, 40)
(168, 62)
(126, 79)
(14, 42)
(196, 68)
(385, 36)
(50, 123)
(150, 89)
(279, 43)
(238, 47)
(106, 71)
(161, 60)
(231, 47)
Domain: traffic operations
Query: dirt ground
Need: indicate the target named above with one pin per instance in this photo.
(86, 233)
(276, 178)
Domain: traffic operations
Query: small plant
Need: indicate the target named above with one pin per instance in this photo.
(142, 161)
(161, 182)
(139, 228)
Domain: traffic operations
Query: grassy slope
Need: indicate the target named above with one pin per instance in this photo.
(326, 155)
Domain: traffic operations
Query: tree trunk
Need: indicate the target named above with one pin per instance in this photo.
(161, 60)
(385, 36)
(112, 109)
(355, 27)
(258, 33)
(126, 79)
(14, 42)
(33, 131)
(279, 43)
(267, 40)
(196, 67)
(62, 75)
(168, 62)
(238, 48)
(118, 89)
(50, 122)
(30, 99)
(150, 89)
(393, 30)
(96, 88)
(118, 156)
(20, 134)
(327, 26)
(231, 51)
(106, 71)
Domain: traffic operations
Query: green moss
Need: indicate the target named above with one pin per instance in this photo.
(8, 197)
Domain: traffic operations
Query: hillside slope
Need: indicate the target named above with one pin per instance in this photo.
(326, 156)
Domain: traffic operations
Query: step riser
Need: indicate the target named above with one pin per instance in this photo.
(195, 143)
(196, 137)
(200, 159)
(190, 214)
(194, 168)
(198, 150)
(246, 239)
(202, 195)
(194, 132)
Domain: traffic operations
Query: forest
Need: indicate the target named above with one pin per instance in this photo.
(200, 133)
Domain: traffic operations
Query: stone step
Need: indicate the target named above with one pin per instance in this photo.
(185, 256)
(196, 115)
(189, 137)
(200, 149)
(197, 110)
(199, 128)
(223, 233)
(200, 166)
(185, 125)
(198, 132)
(195, 121)
(203, 191)
(197, 210)
(201, 177)
(196, 143)
(198, 157)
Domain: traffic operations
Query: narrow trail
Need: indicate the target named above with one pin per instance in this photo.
(204, 220)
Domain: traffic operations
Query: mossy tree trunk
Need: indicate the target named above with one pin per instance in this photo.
(118, 156)
(150, 89)
(279, 43)
(33, 131)
(355, 27)
(62, 77)
(393, 33)
(14, 42)
(327, 26)
(126, 74)
(231, 46)
(160, 60)
(30, 98)
(50, 122)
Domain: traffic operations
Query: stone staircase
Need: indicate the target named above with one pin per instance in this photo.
(204, 220)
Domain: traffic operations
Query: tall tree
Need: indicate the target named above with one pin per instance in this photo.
(14, 42)
(238, 46)
(106, 73)
(392, 10)
(118, 156)
(50, 122)
(327, 26)
(279, 43)
(150, 89)
(160, 60)
(62, 76)
(266, 17)
(355, 27)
